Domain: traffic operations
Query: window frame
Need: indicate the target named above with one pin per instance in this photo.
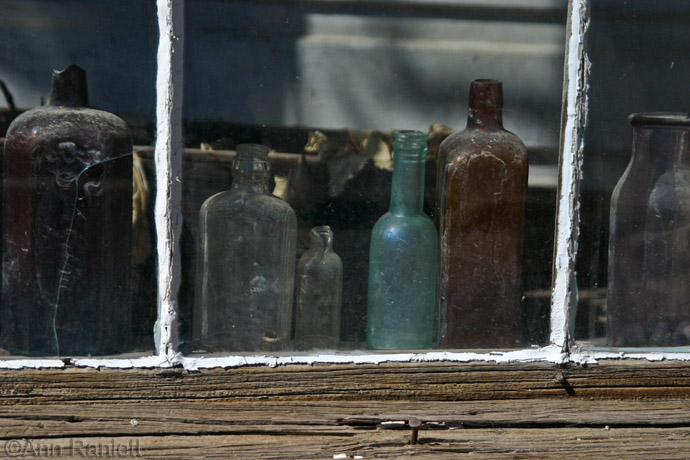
(168, 154)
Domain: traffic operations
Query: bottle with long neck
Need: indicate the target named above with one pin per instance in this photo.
(482, 185)
(67, 215)
(246, 262)
(319, 293)
(403, 256)
(648, 265)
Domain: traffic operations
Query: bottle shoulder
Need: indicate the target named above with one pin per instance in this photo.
(90, 128)
(314, 259)
(391, 222)
(237, 200)
(473, 141)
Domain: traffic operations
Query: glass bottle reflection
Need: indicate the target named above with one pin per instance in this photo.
(481, 191)
(648, 300)
(246, 267)
(402, 257)
(319, 293)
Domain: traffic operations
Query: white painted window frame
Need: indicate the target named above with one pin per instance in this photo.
(168, 218)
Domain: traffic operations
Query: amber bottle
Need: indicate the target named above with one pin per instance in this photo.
(481, 188)
(67, 226)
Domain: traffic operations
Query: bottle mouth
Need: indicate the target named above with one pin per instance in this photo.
(69, 87)
(660, 118)
(251, 157)
(486, 93)
(410, 140)
(322, 230)
(323, 234)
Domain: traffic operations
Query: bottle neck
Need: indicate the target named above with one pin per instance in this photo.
(251, 169)
(485, 105)
(661, 146)
(485, 118)
(407, 189)
(250, 181)
(321, 239)
(69, 88)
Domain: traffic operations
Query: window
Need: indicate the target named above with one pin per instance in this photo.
(287, 75)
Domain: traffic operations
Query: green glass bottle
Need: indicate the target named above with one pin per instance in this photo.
(403, 257)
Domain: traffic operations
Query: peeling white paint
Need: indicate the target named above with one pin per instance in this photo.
(564, 293)
(31, 363)
(168, 160)
(123, 363)
(546, 354)
(593, 357)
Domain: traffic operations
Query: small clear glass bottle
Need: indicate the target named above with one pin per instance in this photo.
(246, 262)
(402, 257)
(319, 293)
(648, 301)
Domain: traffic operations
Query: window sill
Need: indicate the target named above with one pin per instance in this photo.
(322, 411)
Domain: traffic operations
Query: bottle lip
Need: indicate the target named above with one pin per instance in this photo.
(486, 93)
(253, 150)
(410, 137)
(660, 118)
(322, 229)
(69, 88)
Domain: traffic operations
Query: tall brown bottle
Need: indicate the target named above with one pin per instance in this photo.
(67, 218)
(481, 189)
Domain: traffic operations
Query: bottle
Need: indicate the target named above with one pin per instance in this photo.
(403, 257)
(319, 293)
(649, 238)
(67, 214)
(481, 190)
(246, 262)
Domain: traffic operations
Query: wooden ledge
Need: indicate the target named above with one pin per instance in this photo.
(383, 382)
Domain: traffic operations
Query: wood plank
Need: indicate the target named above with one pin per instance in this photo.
(392, 381)
(146, 418)
(571, 443)
(546, 428)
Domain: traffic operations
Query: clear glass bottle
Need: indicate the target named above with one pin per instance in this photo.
(403, 256)
(67, 215)
(319, 293)
(648, 301)
(246, 262)
(481, 191)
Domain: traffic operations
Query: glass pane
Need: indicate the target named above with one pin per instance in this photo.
(79, 242)
(325, 86)
(632, 260)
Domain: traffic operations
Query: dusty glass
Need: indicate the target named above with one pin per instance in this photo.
(319, 293)
(638, 52)
(403, 257)
(246, 268)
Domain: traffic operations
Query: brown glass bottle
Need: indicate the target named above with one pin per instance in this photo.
(481, 188)
(67, 226)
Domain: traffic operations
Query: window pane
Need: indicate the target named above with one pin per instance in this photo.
(79, 243)
(632, 269)
(324, 86)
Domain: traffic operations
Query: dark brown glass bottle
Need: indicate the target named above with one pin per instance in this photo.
(67, 218)
(481, 189)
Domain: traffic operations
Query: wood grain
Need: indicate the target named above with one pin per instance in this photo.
(394, 381)
(254, 429)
